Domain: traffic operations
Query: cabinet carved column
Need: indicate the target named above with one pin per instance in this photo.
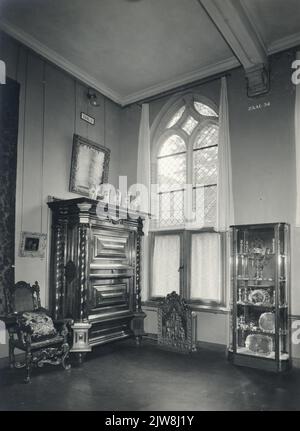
(137, 324)
(58, 267)
(83, 269)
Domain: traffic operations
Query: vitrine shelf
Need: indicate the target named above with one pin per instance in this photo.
(260, 266)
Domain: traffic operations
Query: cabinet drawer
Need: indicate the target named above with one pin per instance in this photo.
(113, 273)
(110, 296)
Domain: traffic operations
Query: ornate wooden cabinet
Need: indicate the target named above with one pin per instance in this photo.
(95, 271)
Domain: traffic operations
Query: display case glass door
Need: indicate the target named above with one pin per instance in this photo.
(260, 303)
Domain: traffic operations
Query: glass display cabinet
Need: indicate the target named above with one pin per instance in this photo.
(260, 261)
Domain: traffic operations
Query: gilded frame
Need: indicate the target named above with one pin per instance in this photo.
(33, 244)
(81, 166)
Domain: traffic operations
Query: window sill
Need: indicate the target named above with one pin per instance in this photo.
(194, 307)
(183, 228)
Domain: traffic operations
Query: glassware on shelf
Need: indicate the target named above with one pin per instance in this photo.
(267, 322)
(242, 247)
(259, 297)
(259, 344)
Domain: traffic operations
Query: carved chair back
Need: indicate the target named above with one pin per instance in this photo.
(23, 297)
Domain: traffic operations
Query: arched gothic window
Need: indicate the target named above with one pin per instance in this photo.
(186, 155)
(186, 251)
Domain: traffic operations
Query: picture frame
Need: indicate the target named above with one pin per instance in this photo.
(89, 167)
(33, 244)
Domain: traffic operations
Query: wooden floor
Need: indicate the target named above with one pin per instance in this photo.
(123, 377)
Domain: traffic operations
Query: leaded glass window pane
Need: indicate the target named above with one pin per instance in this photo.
(205, 203)
(174, 120)
(205, 166)
(207, 137)
(205, 110)
(205, 175)
(171, 208)
(173, 145)
(171, 172)
(164, 209)
(190, 125)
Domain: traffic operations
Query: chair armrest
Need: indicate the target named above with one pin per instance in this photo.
(10, 320)
(21, 327)
(44, 310)
(61, 322)
(63, 326)
(15, 326)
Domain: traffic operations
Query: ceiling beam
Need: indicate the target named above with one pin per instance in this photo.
(233, 23)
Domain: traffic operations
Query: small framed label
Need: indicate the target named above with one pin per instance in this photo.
(87, 118)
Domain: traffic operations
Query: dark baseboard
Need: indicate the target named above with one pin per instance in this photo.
(4, 362)
(205, 345)
(201, 345)
(296, 362)
(152, 339)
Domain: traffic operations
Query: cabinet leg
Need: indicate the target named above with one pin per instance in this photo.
(80, 358)
(138, 340)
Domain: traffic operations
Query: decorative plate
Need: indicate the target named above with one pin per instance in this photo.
(259, 296)
(259, 344)
(267, 322)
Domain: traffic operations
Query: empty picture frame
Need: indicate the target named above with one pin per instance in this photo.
(89, 166)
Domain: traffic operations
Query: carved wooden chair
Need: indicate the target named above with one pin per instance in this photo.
(177, 324)
(32, 330)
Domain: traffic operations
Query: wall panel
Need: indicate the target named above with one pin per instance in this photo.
(50, 106)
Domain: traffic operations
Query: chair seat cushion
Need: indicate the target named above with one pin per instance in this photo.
(40, 323)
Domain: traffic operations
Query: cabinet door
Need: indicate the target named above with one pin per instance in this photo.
(111, 248)
(110, 297)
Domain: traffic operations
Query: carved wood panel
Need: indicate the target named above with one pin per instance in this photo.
(108, 296)
(110, 248)
(176, 324)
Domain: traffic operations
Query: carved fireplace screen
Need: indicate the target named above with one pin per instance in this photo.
(177, 324)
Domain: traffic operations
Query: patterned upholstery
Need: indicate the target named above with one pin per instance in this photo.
(40, 323)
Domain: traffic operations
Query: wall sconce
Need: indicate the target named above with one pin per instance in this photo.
(92, 96)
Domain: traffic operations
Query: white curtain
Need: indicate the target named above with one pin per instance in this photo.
(225, 209)
(206, 267)
(297, 142)
(143, 159)
(166, 262)
(143, 177)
